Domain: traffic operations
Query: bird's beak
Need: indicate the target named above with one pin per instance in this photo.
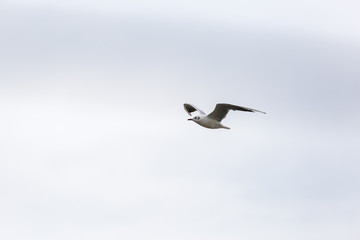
(190, 119)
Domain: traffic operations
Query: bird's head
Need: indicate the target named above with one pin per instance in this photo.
(195, 119)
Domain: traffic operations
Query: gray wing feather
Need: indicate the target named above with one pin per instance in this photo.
(222, 109)
(191, 108)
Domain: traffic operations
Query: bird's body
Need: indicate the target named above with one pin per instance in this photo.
(213, 120)
(207, 122)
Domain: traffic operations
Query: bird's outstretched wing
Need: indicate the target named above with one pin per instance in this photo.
(191, 108)
(222, 109)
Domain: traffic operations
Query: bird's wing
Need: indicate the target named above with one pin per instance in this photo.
(191, 108)
(222, 109)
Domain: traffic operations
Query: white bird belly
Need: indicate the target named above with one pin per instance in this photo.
(210, 123)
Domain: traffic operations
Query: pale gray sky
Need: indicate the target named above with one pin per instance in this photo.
(94, 141)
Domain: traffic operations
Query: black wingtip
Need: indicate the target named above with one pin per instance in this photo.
(189, 108)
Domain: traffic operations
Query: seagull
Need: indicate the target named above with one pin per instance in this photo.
(213, 120)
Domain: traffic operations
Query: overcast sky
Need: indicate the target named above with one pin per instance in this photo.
(94, 142)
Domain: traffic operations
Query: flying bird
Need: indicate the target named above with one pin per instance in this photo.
(213, 120)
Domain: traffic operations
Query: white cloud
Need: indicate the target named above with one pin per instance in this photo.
(326, 18)
(95, 143)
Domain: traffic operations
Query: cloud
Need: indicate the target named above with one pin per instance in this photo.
(95, 140)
